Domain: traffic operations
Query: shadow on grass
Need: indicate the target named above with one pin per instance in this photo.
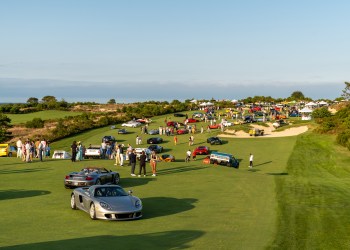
(17, 194)
(165, 150)
(260, 164)
(283, 173)
(164, 206)
(254, 170)
(135, 181)
(180, 239)
(179, 170)
(22, 171)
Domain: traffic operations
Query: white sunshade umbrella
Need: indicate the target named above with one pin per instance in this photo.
(305, 110)
(311, 104)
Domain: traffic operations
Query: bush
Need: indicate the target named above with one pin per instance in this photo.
(343, 138)
(35, 123)
(321, 113)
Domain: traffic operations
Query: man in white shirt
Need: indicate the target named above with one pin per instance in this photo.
(19, 148)
(251, 157)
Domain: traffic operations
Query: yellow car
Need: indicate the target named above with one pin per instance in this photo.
(7, 150)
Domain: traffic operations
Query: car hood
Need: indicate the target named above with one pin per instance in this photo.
(120, 203)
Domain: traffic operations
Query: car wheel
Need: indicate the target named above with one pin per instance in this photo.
(10, 154)
(92, 211)
(72, 202)
(116, 179)
(98, 182)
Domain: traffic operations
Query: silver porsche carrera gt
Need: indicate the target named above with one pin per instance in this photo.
(91, 176)
(107, 202)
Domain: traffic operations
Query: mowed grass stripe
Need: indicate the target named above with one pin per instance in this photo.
(314, 199)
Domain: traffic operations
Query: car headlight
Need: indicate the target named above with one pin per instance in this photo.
(105, 205)
(138, 203)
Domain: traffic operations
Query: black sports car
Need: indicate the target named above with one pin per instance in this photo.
(122, 131)
(214, 140)
(156, 148)
(90, 176)
(154, 140)
(108, 139)
(179, 115)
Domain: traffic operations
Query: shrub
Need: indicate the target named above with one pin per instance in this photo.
(343, 138)
(35, 123)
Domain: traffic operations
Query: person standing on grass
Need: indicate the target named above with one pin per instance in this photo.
(154, 159)
(142, 164)
(251, 158)
(132, 160)
(117, 154)
(175, 140)
(188, 155)
(19, 144)
(40, 151)
(74, 151)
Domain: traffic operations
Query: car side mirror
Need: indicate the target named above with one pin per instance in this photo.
(130, 192)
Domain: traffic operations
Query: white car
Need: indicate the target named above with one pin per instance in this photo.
(131, 124)
(93, 151)
(148, 152)
(227, 124)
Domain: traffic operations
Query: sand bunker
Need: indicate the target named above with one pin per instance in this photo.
(269, 132)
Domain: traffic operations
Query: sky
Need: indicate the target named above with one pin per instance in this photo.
(138, 50)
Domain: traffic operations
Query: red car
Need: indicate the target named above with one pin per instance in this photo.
(172, 123)
(191, 120)
(255, 109)
(201, 150)
(215, 126)
(182, 131)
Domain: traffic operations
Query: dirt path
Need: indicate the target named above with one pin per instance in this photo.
(269, 132)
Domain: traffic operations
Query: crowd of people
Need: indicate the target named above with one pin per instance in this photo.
(28, 150)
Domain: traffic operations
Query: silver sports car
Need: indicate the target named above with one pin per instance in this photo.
(107, 202)
(90, 176)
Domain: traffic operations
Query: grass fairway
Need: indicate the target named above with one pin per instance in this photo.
(44, 115)
(278, 204)
(314, 199)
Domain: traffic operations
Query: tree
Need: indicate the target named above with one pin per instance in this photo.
(346, 91)
(111, 101)
(297, 96)
(4, 125)
(33, 100)
(48, 98)
(35, 123)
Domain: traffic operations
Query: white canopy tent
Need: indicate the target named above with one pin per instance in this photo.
(61, 154)
(311, 105)
(305, 114)
(322, 103)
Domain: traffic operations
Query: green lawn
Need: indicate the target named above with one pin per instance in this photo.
(44, 115)
(296, 197)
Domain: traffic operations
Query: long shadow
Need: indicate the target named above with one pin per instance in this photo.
(17, 194)
(22, 171)
(180, 239)
(255, 165)
(254, 170)
(165, 150)
(164, 206)
(179, 170)
(135, 181)
(283, 173)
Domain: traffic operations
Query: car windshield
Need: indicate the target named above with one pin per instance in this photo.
(109, 192)
(89, 170)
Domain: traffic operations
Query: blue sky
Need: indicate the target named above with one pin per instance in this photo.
(167, 49)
